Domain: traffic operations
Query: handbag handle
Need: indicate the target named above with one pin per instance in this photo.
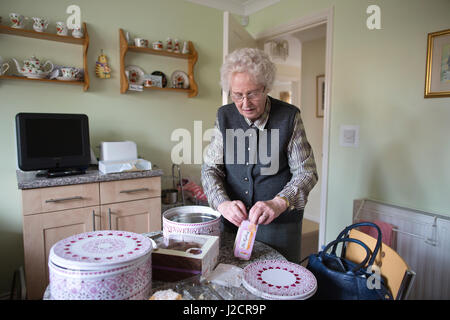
(334, 244)
(356, 225)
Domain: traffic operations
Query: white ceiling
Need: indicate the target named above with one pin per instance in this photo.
(311, 33)
(241, 7)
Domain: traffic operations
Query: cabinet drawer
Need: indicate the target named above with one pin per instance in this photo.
(60, 198)
(132, 189)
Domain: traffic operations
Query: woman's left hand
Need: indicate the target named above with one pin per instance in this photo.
(264, 212)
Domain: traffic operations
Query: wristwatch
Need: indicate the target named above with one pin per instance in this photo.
(286, 200)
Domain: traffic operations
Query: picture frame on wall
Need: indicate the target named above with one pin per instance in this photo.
(320, 95)
(437, 77)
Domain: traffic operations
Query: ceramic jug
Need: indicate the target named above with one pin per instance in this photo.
(40, 24)
(17, 20)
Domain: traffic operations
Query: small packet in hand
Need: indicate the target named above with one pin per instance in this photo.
(243, 245)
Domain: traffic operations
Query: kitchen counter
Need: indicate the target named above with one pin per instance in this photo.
(29, 180)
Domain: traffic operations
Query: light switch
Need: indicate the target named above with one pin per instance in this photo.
(349, 136)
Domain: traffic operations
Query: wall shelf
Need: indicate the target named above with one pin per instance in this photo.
(191, 58)
(52, 37)
(43, 80)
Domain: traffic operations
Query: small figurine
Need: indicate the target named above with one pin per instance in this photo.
(169, 45)
(185, 48)
(102, 70)
(176, 49)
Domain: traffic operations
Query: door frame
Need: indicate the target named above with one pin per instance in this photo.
(322, 17)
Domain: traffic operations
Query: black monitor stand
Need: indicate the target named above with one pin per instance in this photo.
(61, 172)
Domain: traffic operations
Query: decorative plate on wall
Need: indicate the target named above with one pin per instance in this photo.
(179, 79)
(135, 75)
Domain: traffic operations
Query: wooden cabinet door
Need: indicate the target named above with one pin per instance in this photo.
(140, 216)
(42, 231)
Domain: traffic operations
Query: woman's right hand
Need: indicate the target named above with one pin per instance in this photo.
(234, 211)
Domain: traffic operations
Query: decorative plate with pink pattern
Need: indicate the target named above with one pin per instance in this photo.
(279, 280)
(92, 250)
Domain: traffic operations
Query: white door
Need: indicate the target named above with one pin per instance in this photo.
(234, 37)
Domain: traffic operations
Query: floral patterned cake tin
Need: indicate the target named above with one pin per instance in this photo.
(200, 220)
(101, 265)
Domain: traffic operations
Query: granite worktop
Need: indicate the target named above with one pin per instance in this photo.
(29, 179)
(198, 288)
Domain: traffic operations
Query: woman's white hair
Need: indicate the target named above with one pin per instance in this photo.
(256, 63)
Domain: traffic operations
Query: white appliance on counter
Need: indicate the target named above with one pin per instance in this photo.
(121, 156)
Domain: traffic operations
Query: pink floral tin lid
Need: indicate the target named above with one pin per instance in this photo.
(97, 249)
(279, 280)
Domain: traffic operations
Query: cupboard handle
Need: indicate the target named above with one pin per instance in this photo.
(135, 190)
(109, 218)
(93, 219)
(64, 199)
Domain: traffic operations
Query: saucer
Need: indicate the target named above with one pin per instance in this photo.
(66, 79)
(36, 75)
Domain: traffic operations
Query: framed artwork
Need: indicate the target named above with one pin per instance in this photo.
(437, 78)
(320, 95)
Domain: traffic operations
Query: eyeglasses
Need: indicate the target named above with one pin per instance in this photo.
(251, 95)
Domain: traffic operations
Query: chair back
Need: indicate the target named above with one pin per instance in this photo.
(393, 268)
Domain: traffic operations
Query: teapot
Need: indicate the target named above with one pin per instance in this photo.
(32, 68)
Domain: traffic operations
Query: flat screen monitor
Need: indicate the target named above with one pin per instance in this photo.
(56, 142)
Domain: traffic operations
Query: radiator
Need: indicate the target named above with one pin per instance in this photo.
(421, 239)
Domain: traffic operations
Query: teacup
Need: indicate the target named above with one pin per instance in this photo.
(139, 42)
(40, 24)
(17, 20)
(157, 45)
(69, 72)
(3, 67)
(61, 29)
(148, 83)
(77, 32)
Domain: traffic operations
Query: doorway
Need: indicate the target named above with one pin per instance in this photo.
(235, 36)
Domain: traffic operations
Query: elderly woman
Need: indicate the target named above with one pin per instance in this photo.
(259, 165)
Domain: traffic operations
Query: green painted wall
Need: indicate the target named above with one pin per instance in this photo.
(378, 83)
(148, 118)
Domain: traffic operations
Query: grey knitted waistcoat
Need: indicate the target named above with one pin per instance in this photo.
(249, 175)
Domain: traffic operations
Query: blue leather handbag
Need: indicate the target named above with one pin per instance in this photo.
(341, 279)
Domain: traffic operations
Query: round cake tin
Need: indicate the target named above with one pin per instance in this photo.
(101, 265)
(191, 220)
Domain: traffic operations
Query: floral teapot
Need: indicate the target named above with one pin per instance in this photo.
(33, 68)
